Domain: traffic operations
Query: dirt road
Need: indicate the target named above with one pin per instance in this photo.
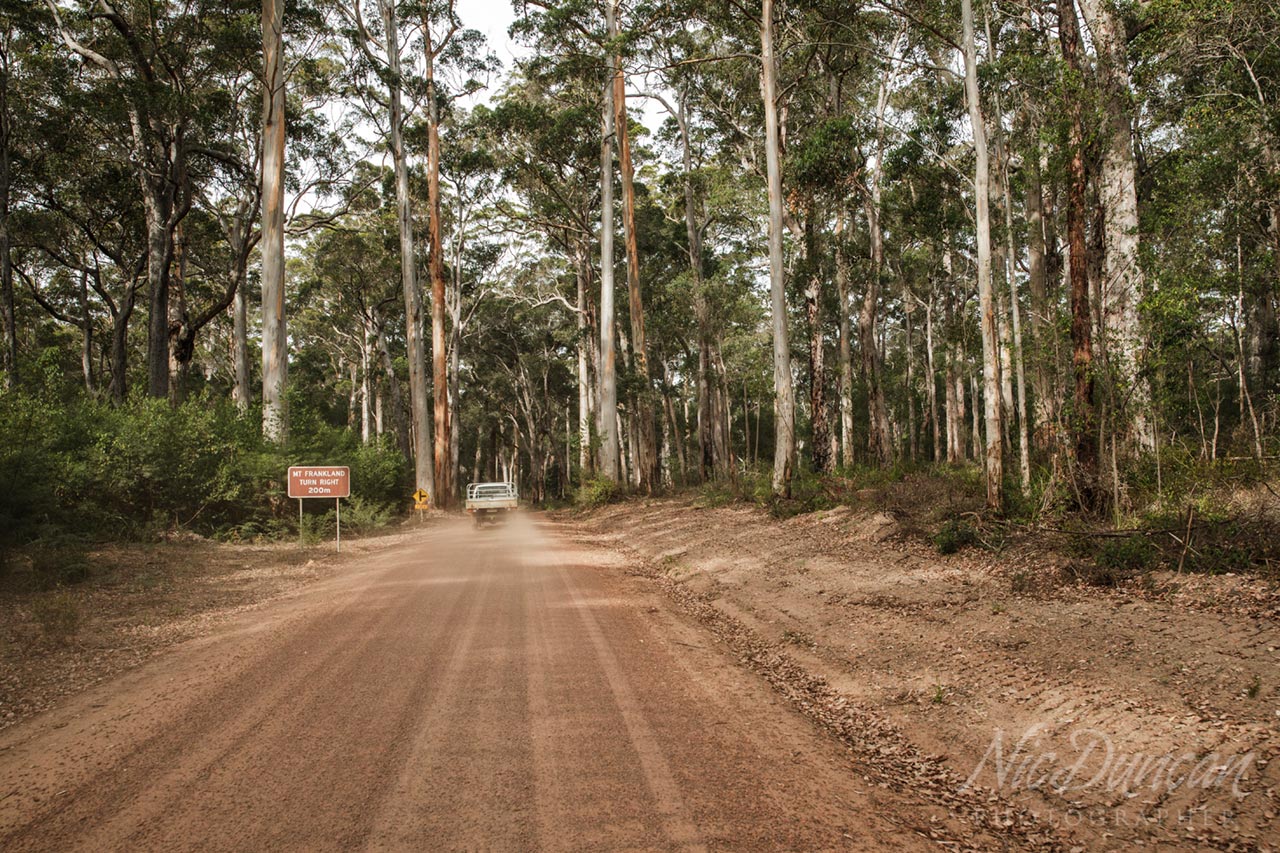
(495, 689)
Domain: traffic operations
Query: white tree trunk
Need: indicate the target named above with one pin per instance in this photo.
(419, 393)
(982, 216)
(846, 346)
(607, 409)
(1123, 283)
(366, 385)
(584, 372)
(275, 356)
(783, 393)
(240, 347)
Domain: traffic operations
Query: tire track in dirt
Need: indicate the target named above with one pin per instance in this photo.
(653, 763)
(886, 752)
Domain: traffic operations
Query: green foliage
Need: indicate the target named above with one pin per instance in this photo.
(362, 515)
(809, 493)
(954, 535)
(317, 527)
(716, 493)
(596, 492)
(828, 159)
(89, 469)
(1125, 555)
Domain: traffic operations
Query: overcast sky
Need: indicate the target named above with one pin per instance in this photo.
(493, 18)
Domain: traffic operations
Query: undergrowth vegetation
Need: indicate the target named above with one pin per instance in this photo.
(74, 473)
(596, 492)
(1187, 514)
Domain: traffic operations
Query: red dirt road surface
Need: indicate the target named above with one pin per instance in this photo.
(501, 689)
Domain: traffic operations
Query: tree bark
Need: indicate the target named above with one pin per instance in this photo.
(820, 430)
(275, 357)
(1085, 421)
(366, 383)
(931, 377)
(908, 309)
(419, 396)
(1123, 281)
(953, 382)
(879, 436)
(120, 344)
(608, 396)
(994, 461)
(584, 371)
(677, 437)
(396, 403)
(1037, 282)
(783, 393)
(9, 354)
(444, 497)
(645, 437)
(158, 207)
(1019, 363)
(456, 330)
(1014, 327)
(86, 333)
(240, 348)
(846, 347)
(878, 440)
(1246, 399)
(710, 463)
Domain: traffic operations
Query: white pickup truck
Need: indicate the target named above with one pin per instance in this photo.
(489, 501)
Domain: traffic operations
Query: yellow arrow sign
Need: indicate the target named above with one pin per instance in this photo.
(420, 496)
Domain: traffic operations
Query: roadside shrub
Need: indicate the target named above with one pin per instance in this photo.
(134, 470)
(58, 615)
(954, 535)
(1125, 555)
(1219, 558)
(596, 492)
(809, 493)
(315, 528)
(363, 515)
(715, 493)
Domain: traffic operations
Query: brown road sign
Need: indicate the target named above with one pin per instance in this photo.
(319, 482)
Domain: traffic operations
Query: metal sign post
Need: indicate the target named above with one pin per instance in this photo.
(318, 482)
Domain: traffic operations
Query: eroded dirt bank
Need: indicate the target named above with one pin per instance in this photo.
(1118, 719)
